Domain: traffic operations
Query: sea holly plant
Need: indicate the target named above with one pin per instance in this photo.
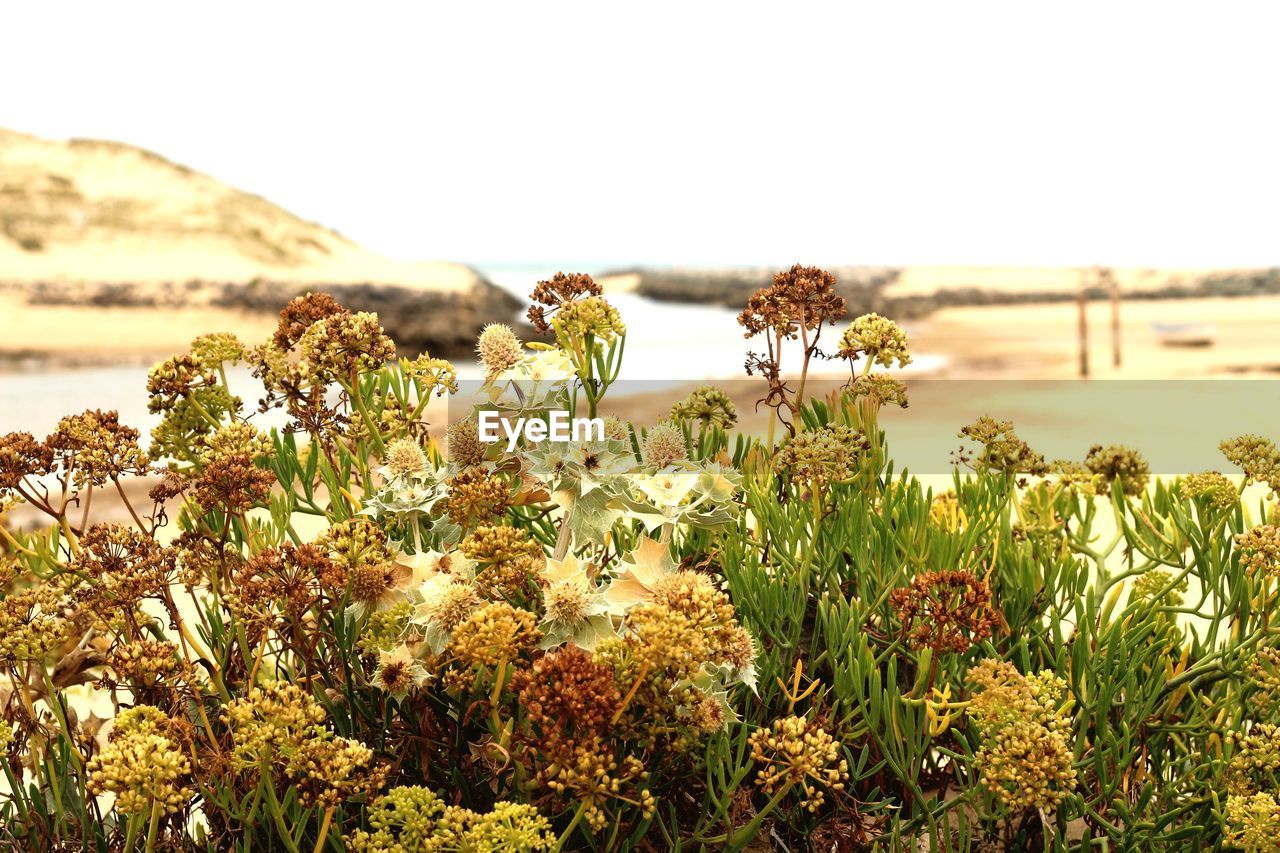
(360, 630)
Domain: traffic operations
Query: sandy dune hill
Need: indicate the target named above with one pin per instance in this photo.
(89, 221)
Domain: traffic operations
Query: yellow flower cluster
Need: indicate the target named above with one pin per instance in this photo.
(1211, 488)
(236, 439)
(1151, 584)
(274, 718)
(143, 662)
(594, 777)
(1263, 673)
(1023, 721)
(1258, 457)
(878, 338)
(213, 349)
(828, 454)
(592, 315)
(1255, 761)
(142, 764)
(1259, 549)
(797, 751)
(31, 625)
(495, 632)
(708, 406)
(1253, 822)
(414, 819)
(329, 770)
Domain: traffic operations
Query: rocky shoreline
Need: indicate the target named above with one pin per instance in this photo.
(873, 288)
(443, 322)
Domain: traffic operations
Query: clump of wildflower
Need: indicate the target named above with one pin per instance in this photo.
(881, 389)
(509, 826)
(300, 314)
(663, 445)
(290, 578)
(432, 375)
(123, 565)
(236, 439)
(1002, 449)
(331, 770)
(1258, 457)
(802, 297)
(1022, 721)
(616, 429)
(1157, 587)
(218, 348)
(1255, 760)
(575, 607)
(1259, 549)
(1263, 675)
(465, 447)
(274, 719)
(499, 349)
(947, 611)
(405, 458)
(494, 633)
(1075, 476)
(142, 765)
(377, 586)
(551, 295)
(342, 345)
(231, 479)
(94, 447)
(413, 818)
(1252, 822)
(383, 629)
(795, 751)
(507, 556)
(878, 338)
(657, 662)
(828, 454)
(356, 541)
(706, 406)
(568, 698)
(21, 456)
(403, 818)
(444, 604)
(1121, 465)
(31, 624)
(144, 662)
(399, 672)
(1211, 489)
(590, 316)
(6, 734)
(476, 496)
(175, 379)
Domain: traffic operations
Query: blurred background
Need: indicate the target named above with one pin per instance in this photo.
(1034, 194)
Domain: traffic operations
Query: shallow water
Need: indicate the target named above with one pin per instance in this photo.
(667, 344)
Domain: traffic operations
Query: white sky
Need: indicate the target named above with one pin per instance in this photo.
(696, 132)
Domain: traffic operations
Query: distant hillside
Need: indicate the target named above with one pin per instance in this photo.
(108, 223)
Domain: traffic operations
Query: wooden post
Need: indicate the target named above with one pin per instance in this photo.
(1115, 317)
(1081, 306)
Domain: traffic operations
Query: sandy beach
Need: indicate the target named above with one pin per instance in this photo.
(1039, 341)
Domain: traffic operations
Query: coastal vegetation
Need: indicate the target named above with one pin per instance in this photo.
(360, 631)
